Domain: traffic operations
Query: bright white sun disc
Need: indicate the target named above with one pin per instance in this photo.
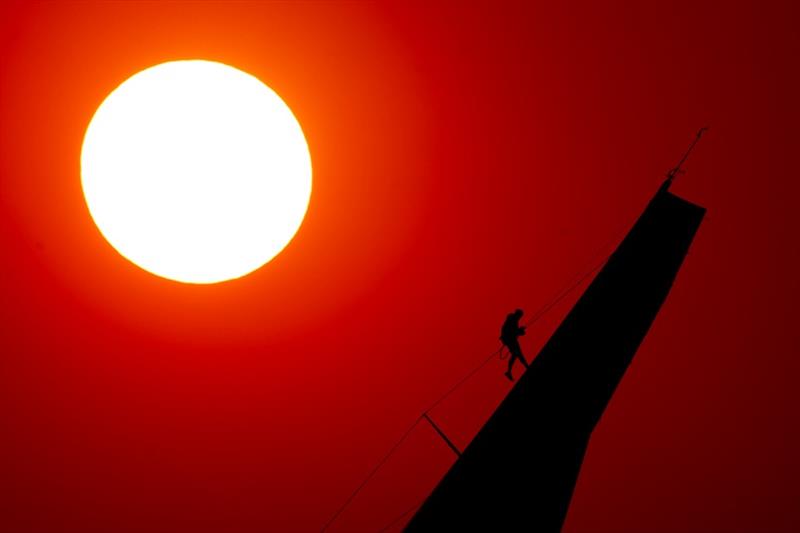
(196, 171)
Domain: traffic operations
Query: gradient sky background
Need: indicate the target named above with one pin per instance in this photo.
(468, 158)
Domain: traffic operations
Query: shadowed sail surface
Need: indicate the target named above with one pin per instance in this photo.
(519, 472)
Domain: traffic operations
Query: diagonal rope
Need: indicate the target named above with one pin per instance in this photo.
(463, 380)
(535, 318)
(580, 278)
(544, 310)
(372, 473)
(399, 517)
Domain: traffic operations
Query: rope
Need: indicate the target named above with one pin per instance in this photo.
(580, 278)
(463, 380)
(399, 517)
(544, 310)
(372, 473)
(503, 354)
(499, 352)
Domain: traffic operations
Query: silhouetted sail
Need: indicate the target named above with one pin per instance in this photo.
(519, 472)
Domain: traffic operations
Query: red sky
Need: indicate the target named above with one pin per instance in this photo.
(468, 158)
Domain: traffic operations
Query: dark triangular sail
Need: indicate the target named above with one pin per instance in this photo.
(519, 472)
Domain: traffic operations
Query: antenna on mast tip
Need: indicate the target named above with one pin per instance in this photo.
(678, 169)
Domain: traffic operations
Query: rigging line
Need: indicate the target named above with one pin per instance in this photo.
(538, 315)
(401, 440)
(462, 381)
(673, 173)
(450, 391)
(541, 312)
(442, 434)
(580, 277)
(399, 517)
(546, 308)
(372, 474)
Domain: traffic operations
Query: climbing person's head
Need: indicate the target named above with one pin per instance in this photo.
(518, 313)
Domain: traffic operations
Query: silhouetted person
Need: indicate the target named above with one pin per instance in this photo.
(509, 335)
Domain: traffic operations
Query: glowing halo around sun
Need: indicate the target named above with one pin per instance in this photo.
(196, 171)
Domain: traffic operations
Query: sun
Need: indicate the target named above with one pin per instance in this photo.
(196, 171)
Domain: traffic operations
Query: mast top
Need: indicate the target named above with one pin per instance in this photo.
(678, 169)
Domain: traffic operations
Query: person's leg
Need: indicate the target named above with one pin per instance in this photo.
(511, 359)
(516, 351)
